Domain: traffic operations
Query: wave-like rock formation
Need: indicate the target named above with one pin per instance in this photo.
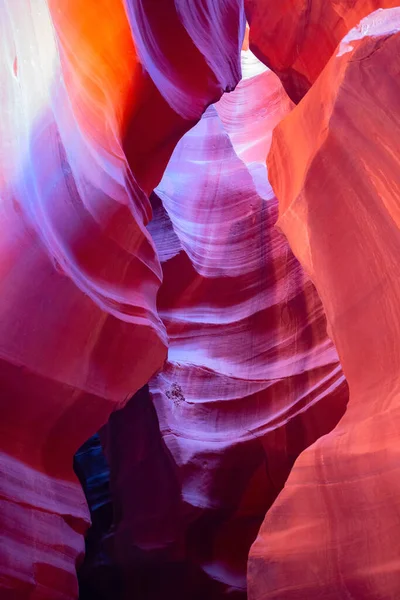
(296, 38)
(113, 111)
(85, 133)
(251, 377)
(334, 530)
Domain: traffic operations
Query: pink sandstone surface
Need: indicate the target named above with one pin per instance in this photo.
(333, 531)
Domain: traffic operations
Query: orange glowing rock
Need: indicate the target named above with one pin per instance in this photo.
(85, 134)
(334, 164)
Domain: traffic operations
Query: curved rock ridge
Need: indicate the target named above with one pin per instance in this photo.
(79, 329)
(190, 64)
(296, 38)
(250, 114)
(333, 531)
(72, 256)
(251, 377)
(191, 50)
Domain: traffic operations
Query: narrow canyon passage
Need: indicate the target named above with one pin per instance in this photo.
(251, 378)
(199, 267)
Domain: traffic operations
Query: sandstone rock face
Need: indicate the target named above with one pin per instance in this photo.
(103, 102)
(85, 134)
(251, 377)
(333, 531)
(296, 38)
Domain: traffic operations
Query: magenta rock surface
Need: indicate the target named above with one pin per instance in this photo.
(79, 274)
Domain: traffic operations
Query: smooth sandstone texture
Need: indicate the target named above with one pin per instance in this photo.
(334, 530)
(84, 137)
(191, 51)
(251, 377)
(296, 38)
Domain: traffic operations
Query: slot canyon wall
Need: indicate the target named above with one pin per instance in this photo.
(339, 509)
(85, 135)
(199, 262)
(251, 377)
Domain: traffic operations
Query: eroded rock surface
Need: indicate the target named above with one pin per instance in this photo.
(296, 38)
(85, 134)
(251, 377)
(333, 531)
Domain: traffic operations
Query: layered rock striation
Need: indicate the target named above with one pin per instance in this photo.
(251, 377)
(85, 133)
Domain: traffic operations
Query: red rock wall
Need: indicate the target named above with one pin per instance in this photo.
(95, 99)
(85, 134)
(333, 531)
(296, 38)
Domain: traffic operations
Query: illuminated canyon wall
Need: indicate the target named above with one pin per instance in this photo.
(85, 135)
(338, 511)
(251, 377)
(217, 242)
